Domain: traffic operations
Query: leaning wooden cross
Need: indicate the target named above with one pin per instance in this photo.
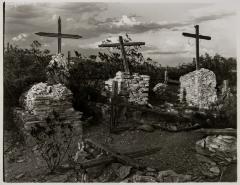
(197, 37)
(59, 35)
(122, 44)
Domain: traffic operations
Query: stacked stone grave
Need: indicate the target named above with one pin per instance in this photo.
(198, 88)
(215, 153)
(135, 87)
(41, 100)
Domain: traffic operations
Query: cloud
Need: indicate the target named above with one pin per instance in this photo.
(94, 45)
(212, 12)
(20, 37)
(96, 21)
(54, 17)
(86, 19)
(157, 52)
(212, 17)
(127, 24)
(70, 19)
(125, 20)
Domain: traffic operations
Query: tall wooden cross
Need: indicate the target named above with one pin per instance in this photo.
(122, 44)
(197, 37)
(59, 35)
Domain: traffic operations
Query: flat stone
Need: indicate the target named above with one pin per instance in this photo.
(202, 158)
(139, 178)
(215, 170)
(147, 128)
(150, 169)
(171, 176)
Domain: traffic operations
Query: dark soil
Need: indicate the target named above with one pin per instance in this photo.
(177, 153)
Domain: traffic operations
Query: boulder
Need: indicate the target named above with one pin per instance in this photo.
(121, 171)
(160, 88)
(142, 178)
(224, 147)
(146, 127)
(198, 88)
(171, 176)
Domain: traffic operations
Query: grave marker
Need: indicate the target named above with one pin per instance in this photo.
(59, 35)
(122, 45)
(197, 37)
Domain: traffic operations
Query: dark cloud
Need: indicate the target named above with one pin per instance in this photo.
(87, 21)
(212, 17)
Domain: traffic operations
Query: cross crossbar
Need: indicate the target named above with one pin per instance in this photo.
(124, 44)
(59, 35)
(194, 36)
(69, 36)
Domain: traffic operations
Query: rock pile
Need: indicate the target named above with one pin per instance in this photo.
(58, 69)
(214, 152)
(118, 172)
(158, 176)
(198, 88)
(160, 88)
(42, 99)
(135, 87)
(218, 145)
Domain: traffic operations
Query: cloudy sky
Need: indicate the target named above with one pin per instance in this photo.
(159, 25)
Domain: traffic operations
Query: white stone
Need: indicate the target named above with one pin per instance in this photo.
(200, 88)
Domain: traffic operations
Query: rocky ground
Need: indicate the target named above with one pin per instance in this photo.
(177, 160)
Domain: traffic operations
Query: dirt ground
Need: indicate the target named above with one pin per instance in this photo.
(177, 153)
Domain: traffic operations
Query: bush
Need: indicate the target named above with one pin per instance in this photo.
(53, 140)
(22, 68)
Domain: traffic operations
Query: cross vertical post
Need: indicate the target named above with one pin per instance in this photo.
(125, 62)
(3, 27)
(197, 46)
(197, 37)
(59, 33)
(122, 45)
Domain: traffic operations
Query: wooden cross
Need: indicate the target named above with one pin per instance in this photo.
(59, 35)
(197, 37)
(121, 44)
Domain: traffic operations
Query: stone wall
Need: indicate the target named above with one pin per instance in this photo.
(198, 88)
(135, 87)
(40, 100)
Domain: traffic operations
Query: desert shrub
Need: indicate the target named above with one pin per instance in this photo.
(228, 111)
(225, 111)
(22, 68)
(53, 140)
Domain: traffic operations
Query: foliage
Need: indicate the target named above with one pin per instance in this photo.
(132, 52)
(22, 68)
(220, 65)
(53, 140)
(226, 110)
